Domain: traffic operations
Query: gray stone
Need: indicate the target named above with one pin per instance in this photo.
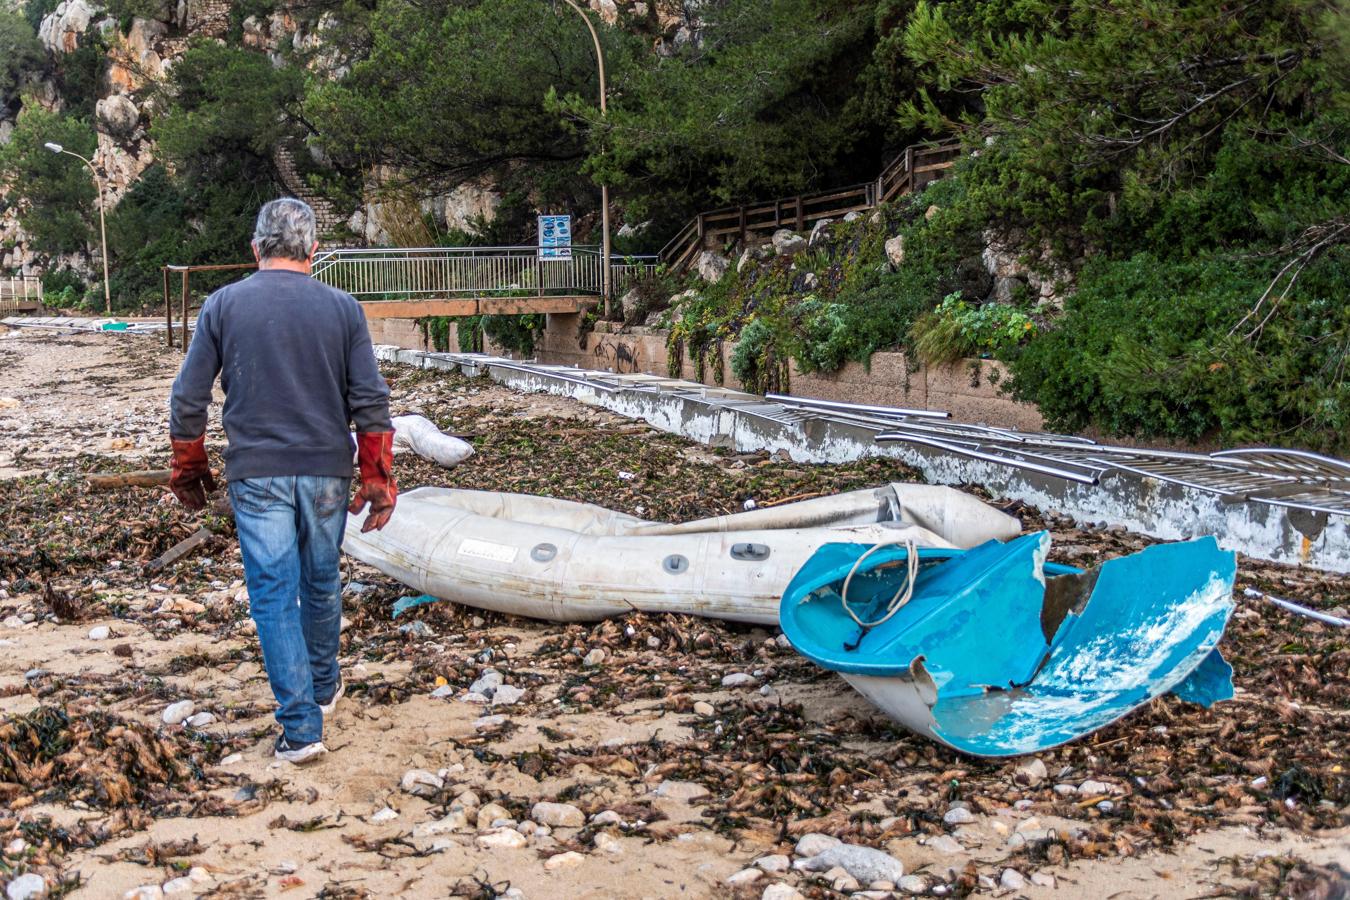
(958, 815)
(819, 232)
(507, 695)
(1043, 879)
(895, 250)
(687, 791)
(745, 876)
(607, 843)
(175, 713)
(787, 243)
(776, 862)
(1012, 880)
(913, 884)
(457, 819)
(388, 814)
(26, 886)
(594, 658)
(863, 863)
(486, 723)
(501, 838)
(1092, 788)
(814, 844)
(421, 783)
(781, 892)
(491, 813)
(738, 679)
(608, 817)
(566, 860)
(100, 633)
(557, 815)
(704, 708)
(199, 720)
(945, 844)
(1030, 773)
(118, 115)
(711, 266)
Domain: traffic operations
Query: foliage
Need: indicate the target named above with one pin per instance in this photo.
(20, 53)
(958, 329)
(79, 73)
(1149, 348)
(56, 191)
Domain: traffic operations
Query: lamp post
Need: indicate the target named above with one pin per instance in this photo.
(102, 227)
(604, 188)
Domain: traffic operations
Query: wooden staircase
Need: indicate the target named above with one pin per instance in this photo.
(915, 167)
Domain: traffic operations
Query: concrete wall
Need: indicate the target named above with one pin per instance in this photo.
(964, 390)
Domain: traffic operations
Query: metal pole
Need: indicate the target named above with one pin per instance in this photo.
(604, 188)
(102, 229)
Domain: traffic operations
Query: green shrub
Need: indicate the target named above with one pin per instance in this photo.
(1146, 348)
(957, 329)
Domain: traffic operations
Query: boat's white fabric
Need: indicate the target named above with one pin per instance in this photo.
(421, 436)
(555, 559)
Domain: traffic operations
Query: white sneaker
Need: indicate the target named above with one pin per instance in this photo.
(327, 708)
(299, 754)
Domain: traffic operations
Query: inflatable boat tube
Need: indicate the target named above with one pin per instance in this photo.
(576, 562)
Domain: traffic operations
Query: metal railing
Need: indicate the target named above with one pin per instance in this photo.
(423, 272)
(20, 292)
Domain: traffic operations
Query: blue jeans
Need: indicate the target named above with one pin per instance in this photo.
(290, 531)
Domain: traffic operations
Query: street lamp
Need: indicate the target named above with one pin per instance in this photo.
(604, 188)
(102, 228)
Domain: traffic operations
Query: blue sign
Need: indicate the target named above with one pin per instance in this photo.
(555, 237)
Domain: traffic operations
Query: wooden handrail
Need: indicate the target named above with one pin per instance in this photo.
(900, 176)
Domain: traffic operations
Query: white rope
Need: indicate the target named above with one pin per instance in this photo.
(902, 595)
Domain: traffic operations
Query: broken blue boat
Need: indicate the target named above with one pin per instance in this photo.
(995, 652)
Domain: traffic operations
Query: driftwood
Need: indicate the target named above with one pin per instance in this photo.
(180, 549)
(109, 480)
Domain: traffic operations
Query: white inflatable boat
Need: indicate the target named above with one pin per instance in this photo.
(567, 562)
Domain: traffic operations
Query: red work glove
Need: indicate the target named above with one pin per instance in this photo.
(375, 457)
(190, 479)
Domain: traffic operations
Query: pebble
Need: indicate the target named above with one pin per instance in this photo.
(444, 690)
(1031, 773)
(564, 861)
(1094, 788)
(200, 720)
(144, 892)
(745, 876)
(607, 843)
(863, 863)
(100, 633)
(776, 862)
(490, 813)
(841, 881)
(457, 819)
(475, 697)
(738, 679)
(945, 844)
(814, 844)
(182, 885)
(1012, 880)
(15, 847)
(175, 713)
(557, 815)
(594, 658)
(608, 817)
(1065, 790)
(913, 884)
(653, 643)
(704, 708)
(507, 695)
(1043, 879)
(783, 642)
(388, 814)
(781, 892)
(485, 723)
(26, 886)
(1106, 806)
(498, 838)
(687, 791)
(13, 622)
(232, 759)
(958, 815)
(421, 783)
(417, 629)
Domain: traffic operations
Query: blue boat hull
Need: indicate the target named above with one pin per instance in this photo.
(998, 653)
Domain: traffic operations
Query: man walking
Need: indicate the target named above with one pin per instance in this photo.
(297, 367)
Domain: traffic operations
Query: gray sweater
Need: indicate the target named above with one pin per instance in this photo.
(297, 367)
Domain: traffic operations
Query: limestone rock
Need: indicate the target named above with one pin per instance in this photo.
(490, 813)
(1012, 880)
(745, 876)
(781, 892)
(175, 713)
(421, 783)
(26, 887)
(607, 843)
(61, 29)
(738, 679)
(567, 860)
(819, 232)
(814, 844)
(457, 819)
(711, 266)
(863, 863)
(1030, 774)
(787, 243)
(499, 838)
(958, 815)
(557, 815)
(895, 250)
(507, 695)
(704, 708)
(681, 790)
(945, 844)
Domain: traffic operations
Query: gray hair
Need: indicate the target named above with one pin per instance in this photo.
(285, 230)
